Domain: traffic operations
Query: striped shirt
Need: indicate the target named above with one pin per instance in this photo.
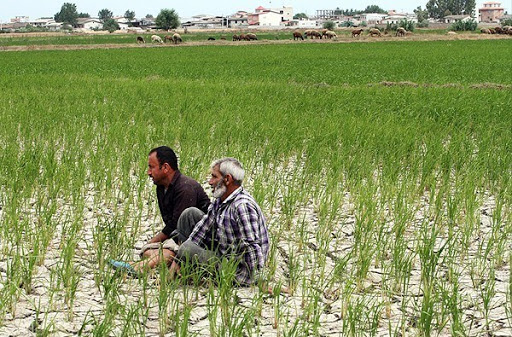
(238, 228)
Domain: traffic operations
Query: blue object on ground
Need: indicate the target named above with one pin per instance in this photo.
(123, 266)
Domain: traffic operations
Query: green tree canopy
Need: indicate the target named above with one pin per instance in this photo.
(105, 14)
(421, 14)
(111, 25)
(439, 8)
(374, 9)
(167, 19)
(67, 14)
(130, 15)
(300, 16)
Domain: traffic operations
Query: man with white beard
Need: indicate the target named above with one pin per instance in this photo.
(233, 227)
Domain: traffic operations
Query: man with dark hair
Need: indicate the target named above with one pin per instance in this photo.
(175, 192)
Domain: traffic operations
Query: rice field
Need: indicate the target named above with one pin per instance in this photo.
(384, 171)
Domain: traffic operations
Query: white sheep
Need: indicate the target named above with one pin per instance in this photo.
(156, 38)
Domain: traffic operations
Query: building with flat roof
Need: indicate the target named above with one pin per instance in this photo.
(491, 11)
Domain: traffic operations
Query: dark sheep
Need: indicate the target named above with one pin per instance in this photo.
(211, 39)
(168, 38)
(356, 32)
(297, 35)
(140, 39)
(401, 31)
(236, 37)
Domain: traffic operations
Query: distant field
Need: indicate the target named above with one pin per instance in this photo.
(384, 170)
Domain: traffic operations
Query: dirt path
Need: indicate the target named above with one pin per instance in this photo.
(341, 39)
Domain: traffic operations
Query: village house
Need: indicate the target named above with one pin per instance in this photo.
(456, 18)
(395, 18)
(205, 22)
(491, 11)
(88, 24)
(270, 17)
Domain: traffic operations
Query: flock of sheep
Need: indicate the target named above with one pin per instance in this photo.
(313, 34)
(498, 30)
(175, 38)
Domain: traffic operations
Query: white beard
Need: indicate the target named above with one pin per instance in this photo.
(219, 189)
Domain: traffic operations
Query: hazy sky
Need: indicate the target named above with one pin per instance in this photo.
(44, 8)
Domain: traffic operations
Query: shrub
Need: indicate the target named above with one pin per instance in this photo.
(408, 25)
(507, 22)
(422, 24)
(469, 25)
(347, 24)
(329, 25)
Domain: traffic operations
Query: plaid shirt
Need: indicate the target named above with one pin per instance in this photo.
(238, 228)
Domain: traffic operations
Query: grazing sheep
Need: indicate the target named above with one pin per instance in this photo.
(492, 31)
(236, 37)
(324, 31)
(242, 37)
(485, 31)
(176, 38)
(313, 33)
(375, 32)
(297, 35)
(223, 38)
(356, 32)
(140, 39)
(250, 36)
(168, 38)
(498, 30)
(451, 33)
(401, 31)
(156, 38)
(211, 39)
(331, 35)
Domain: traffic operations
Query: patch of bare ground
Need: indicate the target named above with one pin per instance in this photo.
(341, 39)
(492, 86)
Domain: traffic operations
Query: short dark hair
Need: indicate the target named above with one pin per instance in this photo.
(165, 154)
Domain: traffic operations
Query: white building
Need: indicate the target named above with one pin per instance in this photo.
(305, 23)
(455, 18)
(270, 16)
(396, 18)
(89, 23)
(371, 18)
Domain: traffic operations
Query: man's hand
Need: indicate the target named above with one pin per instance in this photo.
(160, 237)
(174, 270)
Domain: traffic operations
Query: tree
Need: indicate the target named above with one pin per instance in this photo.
(105, 14)
(167, 19)
(421, 14)
(67, 14)
(300, 16)
(111, 25)
(329, 25)
(439, 8)
(84, 15)
(374, 9)
(130, 15)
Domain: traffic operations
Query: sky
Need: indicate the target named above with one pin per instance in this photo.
(45, 8)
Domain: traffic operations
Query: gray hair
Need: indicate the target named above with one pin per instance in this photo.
(230, 166)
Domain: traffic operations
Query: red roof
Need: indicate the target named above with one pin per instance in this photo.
(260, 8)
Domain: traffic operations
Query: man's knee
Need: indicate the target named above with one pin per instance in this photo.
(187, 221)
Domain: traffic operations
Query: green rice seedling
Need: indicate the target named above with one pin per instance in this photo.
(488, 292)
(429, 257)
(508, 304)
